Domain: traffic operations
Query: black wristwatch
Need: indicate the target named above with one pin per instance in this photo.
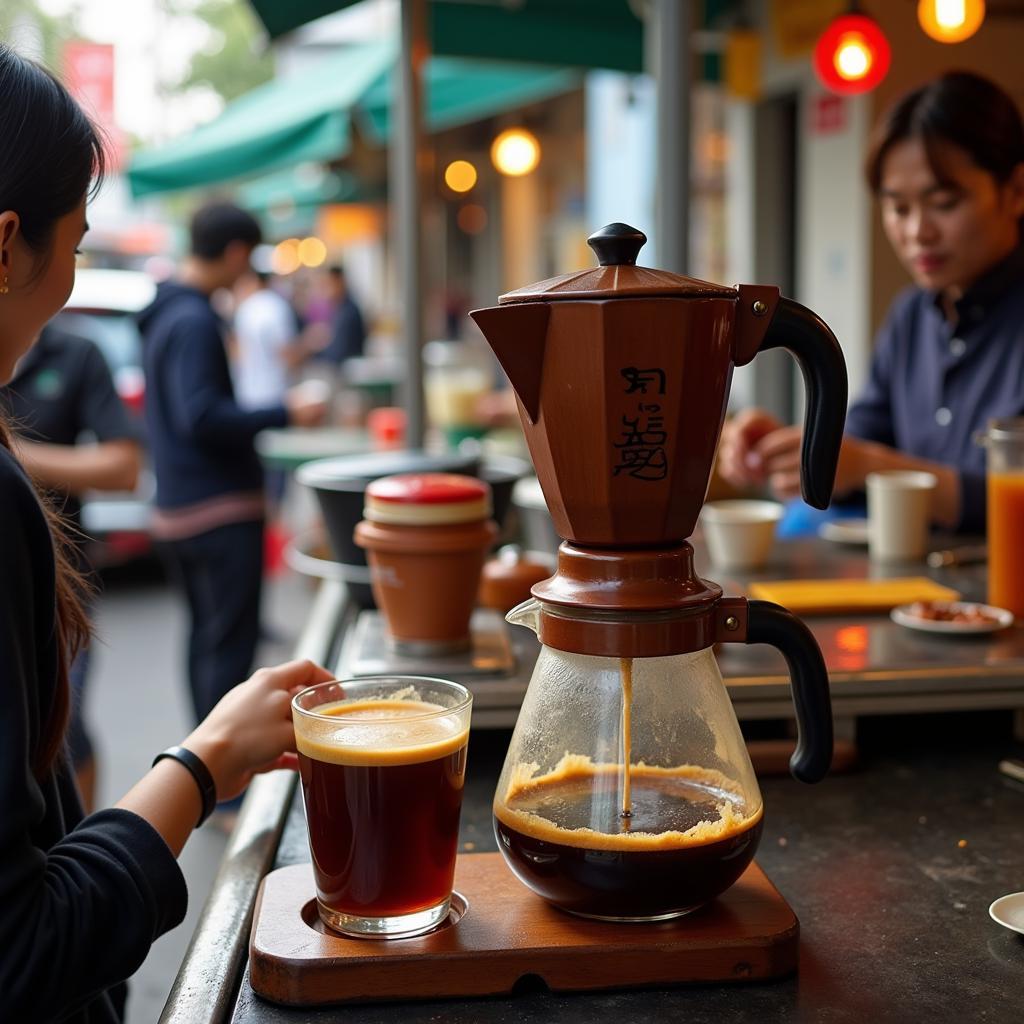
(199, 772)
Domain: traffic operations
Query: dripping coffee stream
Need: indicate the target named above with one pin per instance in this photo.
(626, 669)
(627, 792)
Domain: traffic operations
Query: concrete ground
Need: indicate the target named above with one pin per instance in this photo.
(137, 705)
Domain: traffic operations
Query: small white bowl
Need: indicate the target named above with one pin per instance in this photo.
(740, 533)
(1009, 911)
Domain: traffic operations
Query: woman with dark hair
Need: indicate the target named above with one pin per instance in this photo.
(947, 164)
(82, 899)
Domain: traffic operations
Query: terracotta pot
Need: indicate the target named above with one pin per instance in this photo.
(426, 537)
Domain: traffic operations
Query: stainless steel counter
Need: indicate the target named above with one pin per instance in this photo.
(875, 667)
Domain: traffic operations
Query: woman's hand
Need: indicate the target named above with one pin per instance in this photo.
(250, 730)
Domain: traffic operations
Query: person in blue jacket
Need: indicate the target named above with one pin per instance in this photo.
(947, 165)
(82, 898)
(210, 502)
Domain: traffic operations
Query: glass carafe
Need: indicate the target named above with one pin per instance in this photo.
(627, 792)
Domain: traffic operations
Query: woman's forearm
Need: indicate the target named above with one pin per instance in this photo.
(168, 798)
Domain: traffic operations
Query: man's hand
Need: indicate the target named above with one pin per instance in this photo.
(307, 403)
(739, 461)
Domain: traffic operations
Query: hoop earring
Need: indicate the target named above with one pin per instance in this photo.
(4, 285)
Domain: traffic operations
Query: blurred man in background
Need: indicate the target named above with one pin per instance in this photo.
(210, 504)
(347, 332)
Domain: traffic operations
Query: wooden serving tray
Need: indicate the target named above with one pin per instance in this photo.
(501, 932)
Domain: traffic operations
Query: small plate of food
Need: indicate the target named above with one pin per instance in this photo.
(952, 617)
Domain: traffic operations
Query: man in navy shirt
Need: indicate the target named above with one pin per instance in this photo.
(947, 163)
(347, 331)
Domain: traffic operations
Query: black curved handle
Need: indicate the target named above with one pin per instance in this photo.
(771, 624)
(812, 343)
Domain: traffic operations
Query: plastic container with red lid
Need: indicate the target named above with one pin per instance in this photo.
(426, 499)
(426, 536)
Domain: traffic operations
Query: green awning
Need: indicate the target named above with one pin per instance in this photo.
(307, 116)
(569, 33)
(307, 185)
(462, 91)
(288, 121)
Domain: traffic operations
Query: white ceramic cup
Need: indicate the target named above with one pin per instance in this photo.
(899, 513)
(740, 533)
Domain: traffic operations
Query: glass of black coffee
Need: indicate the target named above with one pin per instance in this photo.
(382, 763)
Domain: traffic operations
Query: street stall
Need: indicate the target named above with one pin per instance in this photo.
(635, 843)
(889, 868)
(626, 801)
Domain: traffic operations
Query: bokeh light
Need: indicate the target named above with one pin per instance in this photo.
(471, 218)
(460, 175)
(950, 21)
(515, 152)
(285, 259)
(852, 55)
(311, 252)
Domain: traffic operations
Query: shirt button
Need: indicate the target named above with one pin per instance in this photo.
(943, 417)
(958, 347)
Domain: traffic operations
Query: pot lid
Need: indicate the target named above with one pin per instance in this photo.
(617, 276)
(351, 473)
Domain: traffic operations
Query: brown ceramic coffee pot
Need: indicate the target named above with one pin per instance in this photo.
(627, 792)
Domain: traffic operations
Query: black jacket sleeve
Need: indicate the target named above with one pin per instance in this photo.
(199, 390)
(78, 912)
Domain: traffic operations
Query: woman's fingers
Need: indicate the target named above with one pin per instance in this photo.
(294, 675)
(289, 760)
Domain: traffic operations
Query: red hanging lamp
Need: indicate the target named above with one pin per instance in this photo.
(852, 55)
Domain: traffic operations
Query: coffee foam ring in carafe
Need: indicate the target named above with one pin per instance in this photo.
(380, 733)
(731, 821)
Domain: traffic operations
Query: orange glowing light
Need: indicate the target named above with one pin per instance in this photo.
(460, 175)
(950, 21)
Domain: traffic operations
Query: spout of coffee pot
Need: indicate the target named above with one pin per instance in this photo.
(517, 333)
(526, 614)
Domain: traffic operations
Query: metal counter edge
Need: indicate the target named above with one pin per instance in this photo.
(204, 989)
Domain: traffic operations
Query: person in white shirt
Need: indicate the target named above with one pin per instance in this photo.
(265, 329)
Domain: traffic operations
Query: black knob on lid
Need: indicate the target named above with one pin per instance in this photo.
(617, 244)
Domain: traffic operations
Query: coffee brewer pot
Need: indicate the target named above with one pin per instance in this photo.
(627, 792)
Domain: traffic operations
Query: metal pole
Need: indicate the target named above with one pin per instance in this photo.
(670, 60)
(407, 160)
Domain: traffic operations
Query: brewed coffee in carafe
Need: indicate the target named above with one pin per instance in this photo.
(627, 805)
(627, 792)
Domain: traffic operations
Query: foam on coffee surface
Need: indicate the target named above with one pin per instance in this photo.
(705, 794)
(379, 732)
